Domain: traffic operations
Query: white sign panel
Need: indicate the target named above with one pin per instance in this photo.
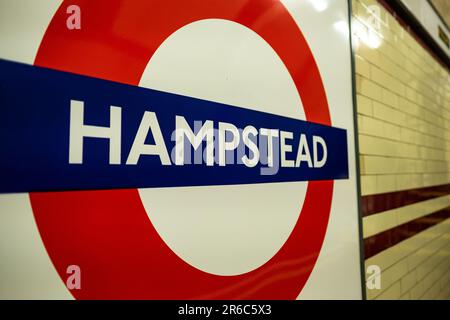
(178, 150)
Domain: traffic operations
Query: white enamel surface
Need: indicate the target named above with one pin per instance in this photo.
(224, 230)
(223, 61)
(22, 26)
(337, 272)
(26, 271)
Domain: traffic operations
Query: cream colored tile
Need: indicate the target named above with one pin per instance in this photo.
(408, 281)
(392, 293)
(364, 105)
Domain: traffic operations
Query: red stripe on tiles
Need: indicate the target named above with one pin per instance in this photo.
(391, 237)
(387, 201)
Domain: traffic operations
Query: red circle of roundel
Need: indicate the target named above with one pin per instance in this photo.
(107, 232)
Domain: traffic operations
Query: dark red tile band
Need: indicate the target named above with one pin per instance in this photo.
(386, 201)
(391, 237)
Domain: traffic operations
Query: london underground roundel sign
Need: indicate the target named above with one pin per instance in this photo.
(186, 149)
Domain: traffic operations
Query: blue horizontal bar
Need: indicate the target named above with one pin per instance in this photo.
(34, 136)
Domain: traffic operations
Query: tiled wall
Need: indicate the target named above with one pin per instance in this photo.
(443, 7)
(403, 102)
